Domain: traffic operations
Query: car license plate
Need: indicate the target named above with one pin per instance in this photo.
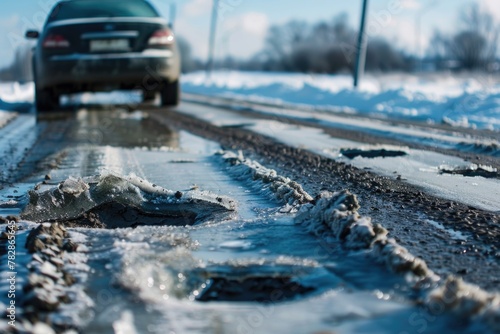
(99, 45)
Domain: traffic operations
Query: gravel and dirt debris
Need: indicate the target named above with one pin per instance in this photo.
(50, 290)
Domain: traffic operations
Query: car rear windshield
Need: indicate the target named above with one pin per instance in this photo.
(78, 9)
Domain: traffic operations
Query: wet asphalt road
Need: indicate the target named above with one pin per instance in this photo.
(35, 148)
(408, 212)
(84, 142)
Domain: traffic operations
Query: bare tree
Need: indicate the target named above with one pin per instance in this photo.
(483, 24)
(325, 47)
(187, 62)
(469, 47)
(282, 41)
(475, 45)
(21, 67)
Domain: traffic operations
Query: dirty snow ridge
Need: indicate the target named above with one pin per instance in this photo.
(6, 117)
(54, 289)
(337, 213)
(277, 186)
(82, 201)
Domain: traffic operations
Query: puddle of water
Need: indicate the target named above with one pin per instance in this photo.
(253, 285)
(457, 235)
(120, 128)
(12, 199)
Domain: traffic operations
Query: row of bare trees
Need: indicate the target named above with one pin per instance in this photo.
(475, 45)
(329, 47)
(326, 47)
(20, 68)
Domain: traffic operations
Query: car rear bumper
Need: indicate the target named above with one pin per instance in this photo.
(97, 72)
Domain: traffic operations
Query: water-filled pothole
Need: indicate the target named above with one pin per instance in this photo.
(118, 215)
(378, 153)
(265, 283)
(263, 289)
(114, 201)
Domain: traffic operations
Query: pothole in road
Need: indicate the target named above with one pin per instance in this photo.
(114, 201)
(118, 215)
(258, 288)
(471, 171)
(266, 284)
(378, 153)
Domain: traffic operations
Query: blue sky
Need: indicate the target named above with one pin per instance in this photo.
(244, 23)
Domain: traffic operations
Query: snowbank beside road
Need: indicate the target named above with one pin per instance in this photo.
(462, 100)
(15, 92)
(15, 96)
(472, 101)
(5, 117)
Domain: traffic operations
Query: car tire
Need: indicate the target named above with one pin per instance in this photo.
(170, 94)
(46, 100)
(148, 95)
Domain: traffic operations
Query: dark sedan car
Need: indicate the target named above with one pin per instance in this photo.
(104, 45)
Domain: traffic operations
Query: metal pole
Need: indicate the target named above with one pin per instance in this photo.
(173, 13)
(211, 45)
(361, 49)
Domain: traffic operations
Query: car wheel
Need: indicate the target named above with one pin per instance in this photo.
(148, 95)
(170, 94)
(46, 100)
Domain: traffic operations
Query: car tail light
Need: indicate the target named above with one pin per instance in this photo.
(55, 42)
(163, 37)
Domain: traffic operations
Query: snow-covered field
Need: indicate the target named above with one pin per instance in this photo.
(15, 97)
(14, 92)
(471, 100)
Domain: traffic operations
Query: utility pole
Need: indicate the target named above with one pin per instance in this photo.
(361, 49)
(213, 31)
(173, 14)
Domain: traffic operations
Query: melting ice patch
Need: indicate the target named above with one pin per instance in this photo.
(111, 201)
